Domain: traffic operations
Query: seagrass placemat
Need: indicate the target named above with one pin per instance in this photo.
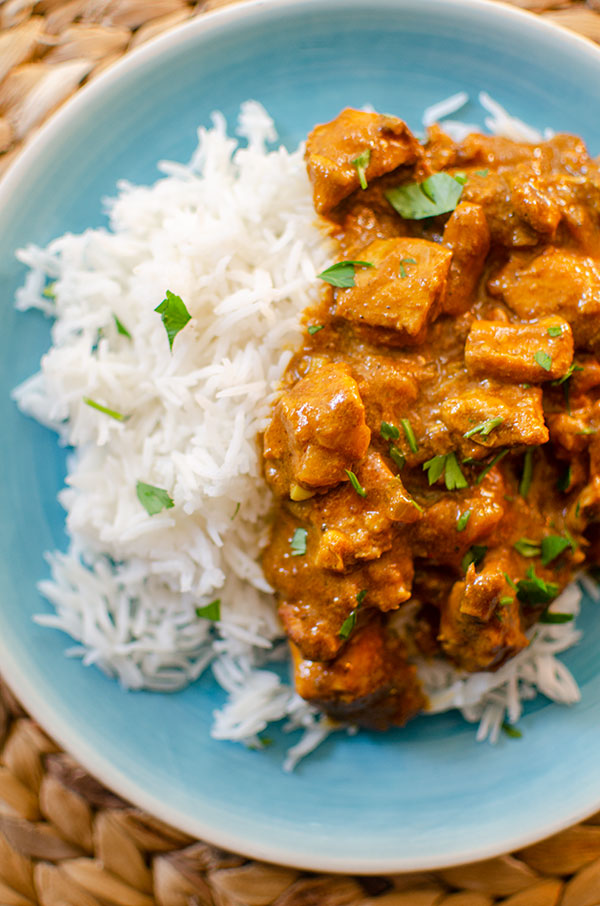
(65, 840)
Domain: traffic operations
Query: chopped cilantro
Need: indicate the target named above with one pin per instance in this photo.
(409, 434)
(512, 584)
(445, 464)
(314, 328)
(490, 465)
(587, 431)
(121, 328)
(403, 274)
(153, 499)
(348, 625)
(568, 374)
(484, 428)
(543, 359)
(511, 730)
(118, 416)
(463, 520)
(416, 505)
(438, 194)
(554, 331)
(534, 590)
(483, 173)
(435, 468)
(525, 483)
(397, 457)
(342, 273)
(236, 511)
(475, 555)
(298, 543)
(361, 596)
(553, 546)
(506, 601)
(48, 291)
(355, 483)
(389, 432)
(210, 611)
(527, 548)
(461, 178)
(361, 163)
(550, 616)
(174, 315)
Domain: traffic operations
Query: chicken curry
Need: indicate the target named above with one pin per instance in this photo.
(434, 449)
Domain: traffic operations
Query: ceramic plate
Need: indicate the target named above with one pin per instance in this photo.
(425, 796)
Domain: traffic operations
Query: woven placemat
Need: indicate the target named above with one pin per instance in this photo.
(65, 840)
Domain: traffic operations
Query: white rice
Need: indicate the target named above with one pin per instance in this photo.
(234, 234)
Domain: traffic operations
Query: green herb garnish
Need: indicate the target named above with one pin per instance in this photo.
(506, 601)
(445, 464)
(342, 273)
(397, 456)
(153, 499)
(403, 274)
(361, 163)
(482, 172)
(409, 434)
(210, 611)
(484, 428)
(350, 622)
(564, 481)
(527, 548)
(553, 546)
(355, 483)
(568, 374)
(543, 359)
(298, 543)
(553, 617)
(554, 331)
(512, 584)
(315, 328)
(389, 432)
(48, 291)
(463, 520)
(118, 416)
(174, 315)
(361, 596)
(460, 177)
(236, 511)
(525, 483)
(438, 194)
(490, 465)
(534, 590)
(121, 328)
(475, 555)
(511, 730)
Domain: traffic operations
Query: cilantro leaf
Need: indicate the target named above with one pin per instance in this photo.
(564, 481)
(445, 464)
(527, 548)
(505, 601)
(342, 273)
(361, 163)
(121, 328)
(314, 328)
(554, 331)
(463, 520)
(435, 468)
(348, 625)
(118, 416)
(534, 590)
(483, 173)
(210, 611)
(543, 359)
(397, 457)
(298, 543)
(153, 499)
(551, 616)
(484, 428)
(409, 434)
(568, 374)
(553, 546)
(389, 432)
(511, 730)
(438, 194)
(403, 274)
(174, 315)
(525, 483)
(475, 555)
(490, 465)
(355, 483)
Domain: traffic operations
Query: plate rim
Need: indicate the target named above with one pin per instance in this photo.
(15, 675)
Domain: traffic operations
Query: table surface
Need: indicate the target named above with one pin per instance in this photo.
(64, 839)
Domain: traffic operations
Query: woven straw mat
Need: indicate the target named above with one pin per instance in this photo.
(65, 840)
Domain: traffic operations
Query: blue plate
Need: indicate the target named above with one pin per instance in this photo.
(422, 797)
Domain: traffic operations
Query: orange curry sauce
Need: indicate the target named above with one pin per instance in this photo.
(434, 452)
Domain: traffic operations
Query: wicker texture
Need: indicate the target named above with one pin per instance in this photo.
(65, 840)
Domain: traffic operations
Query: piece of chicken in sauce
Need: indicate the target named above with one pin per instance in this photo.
(433, 452)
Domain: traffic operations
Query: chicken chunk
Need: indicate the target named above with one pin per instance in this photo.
(557, 282)
(318, 430)
(492, 414)
(467, 235)
(369, 683)
(388, 390)
(383, 142)
(404, 290)
(533, 351)
(352, 527)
